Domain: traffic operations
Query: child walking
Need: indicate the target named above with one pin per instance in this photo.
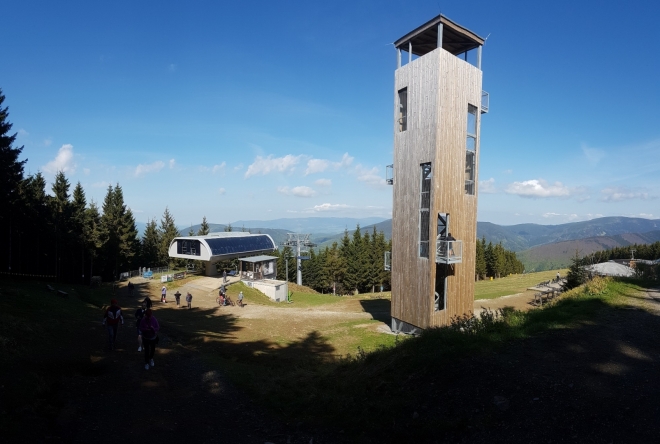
(189, 300)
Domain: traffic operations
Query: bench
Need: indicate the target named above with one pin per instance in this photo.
(548, 294)
(62, 293)
(50, 287)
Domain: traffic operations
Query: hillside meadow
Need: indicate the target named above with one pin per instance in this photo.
(320, 368)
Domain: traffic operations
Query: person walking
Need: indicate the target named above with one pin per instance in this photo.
(189, 300)
(240, 299)
(147, 302)
(139, 314)
(149, 327)
(224, 276)
(163, 294)
(111, 320)
(177, 297)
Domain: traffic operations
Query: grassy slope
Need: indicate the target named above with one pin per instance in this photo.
(516, 283)
(37, 328)
(361, 395)
(304, 379)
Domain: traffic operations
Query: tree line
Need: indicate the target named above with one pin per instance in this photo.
(356, 264)
(495, 261)
(643, 251)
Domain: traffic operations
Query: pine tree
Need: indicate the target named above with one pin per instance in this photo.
(480, 262)
(335, 268)
(78, 219)
(118, 234)
(92, 234)
(577, 274)
(168, 232)
(150, 245)
(61, 211)
(204, 228)
(11, 177)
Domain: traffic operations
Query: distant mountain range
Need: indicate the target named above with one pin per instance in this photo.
(540, 247)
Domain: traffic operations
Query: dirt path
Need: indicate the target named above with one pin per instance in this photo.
(521, 301)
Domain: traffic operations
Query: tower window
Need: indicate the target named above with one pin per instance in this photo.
(403, 110)
(471, 150)
(424, 209)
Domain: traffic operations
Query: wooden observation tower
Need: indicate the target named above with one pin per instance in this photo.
(438, 107)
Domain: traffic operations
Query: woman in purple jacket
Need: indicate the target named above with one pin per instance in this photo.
(149, 328)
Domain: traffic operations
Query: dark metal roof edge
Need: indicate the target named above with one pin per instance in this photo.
(433, 22)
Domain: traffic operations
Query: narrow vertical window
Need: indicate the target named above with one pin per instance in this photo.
(402, 115)
(424, 209)
(471, 150)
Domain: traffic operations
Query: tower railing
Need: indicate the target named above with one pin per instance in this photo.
(485, 102)
(448, 251)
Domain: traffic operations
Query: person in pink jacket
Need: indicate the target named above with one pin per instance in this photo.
(149, 328)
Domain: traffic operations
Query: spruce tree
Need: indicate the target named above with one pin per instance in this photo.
(11, 176)
(92, 234)
(150, 245)
(168, 232)
(577, 274)
(204, 228)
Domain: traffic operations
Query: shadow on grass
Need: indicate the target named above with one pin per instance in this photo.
(582, 367)
(379, 309)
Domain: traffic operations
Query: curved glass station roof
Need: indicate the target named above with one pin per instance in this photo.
(221, 246)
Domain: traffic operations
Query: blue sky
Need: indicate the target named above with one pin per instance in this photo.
(264, 110)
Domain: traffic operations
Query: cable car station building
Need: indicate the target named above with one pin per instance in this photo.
(256, 268)
(438, 106)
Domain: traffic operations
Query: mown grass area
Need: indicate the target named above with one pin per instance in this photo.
(299, 299)
(516, 283)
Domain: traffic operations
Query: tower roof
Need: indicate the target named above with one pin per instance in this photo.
(455, 38)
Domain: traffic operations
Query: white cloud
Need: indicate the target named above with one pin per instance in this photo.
(150, 168)
(86, 171)
(48, 142)
(62, 162)
(172, 164)
(508, 171)
(372, 177)
(266, 165)
(619, 194)
(301, 191)
(330, 207)
(238, 167)
(23, 133)
(323, 182)
(645, 216)
(593, 155)
(101, 184)
(321, 165)
(538, 188)
(219, 168)
(551, 215)
(487, 186)
(222, 191)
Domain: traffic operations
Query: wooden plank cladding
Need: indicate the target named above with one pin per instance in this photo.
(439, 87)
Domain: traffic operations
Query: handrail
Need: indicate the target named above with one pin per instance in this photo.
(448, 251)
